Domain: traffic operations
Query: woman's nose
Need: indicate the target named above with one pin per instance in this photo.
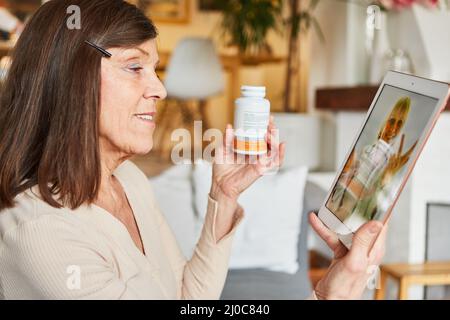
(156, 90)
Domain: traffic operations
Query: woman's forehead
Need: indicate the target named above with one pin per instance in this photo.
(147, 51)
(398, 113)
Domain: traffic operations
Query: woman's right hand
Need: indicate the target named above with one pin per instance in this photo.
(350, 270)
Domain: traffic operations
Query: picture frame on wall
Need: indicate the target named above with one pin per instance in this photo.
(437, 238)
(169, 11)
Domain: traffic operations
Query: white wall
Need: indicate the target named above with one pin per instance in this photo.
(341, 59)
(431, 181)
(425, 35)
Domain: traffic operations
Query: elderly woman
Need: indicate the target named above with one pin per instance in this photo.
(78, 220)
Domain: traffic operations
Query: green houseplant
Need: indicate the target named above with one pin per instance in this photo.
(300, 20)
(246, 23)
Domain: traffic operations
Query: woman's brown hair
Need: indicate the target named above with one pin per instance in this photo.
(50, 101)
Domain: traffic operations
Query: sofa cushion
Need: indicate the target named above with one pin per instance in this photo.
(263, 284)
(267, 237)
(173, 191)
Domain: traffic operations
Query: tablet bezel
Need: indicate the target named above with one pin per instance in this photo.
(422, 86)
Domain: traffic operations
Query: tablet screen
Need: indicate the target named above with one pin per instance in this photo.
(381, 157)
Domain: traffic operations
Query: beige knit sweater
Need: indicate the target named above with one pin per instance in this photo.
(49, 253)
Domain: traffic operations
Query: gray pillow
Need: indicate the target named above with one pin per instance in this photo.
(262, 284)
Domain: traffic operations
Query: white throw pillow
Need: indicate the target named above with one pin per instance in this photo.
(273, 205)
(173, 192)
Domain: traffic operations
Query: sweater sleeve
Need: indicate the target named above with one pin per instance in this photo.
(203, 276)
(52, 259)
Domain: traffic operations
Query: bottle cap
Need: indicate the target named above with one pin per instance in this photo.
(253, 91)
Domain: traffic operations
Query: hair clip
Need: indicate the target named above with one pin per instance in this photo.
(103, 51)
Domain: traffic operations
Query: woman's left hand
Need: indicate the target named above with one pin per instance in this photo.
(351, 270)
(233, 173)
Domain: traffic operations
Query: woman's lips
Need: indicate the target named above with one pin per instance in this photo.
(148, 118)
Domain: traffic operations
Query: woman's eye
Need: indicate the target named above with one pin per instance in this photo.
(135, 69)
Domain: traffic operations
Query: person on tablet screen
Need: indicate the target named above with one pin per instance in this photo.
(364, 185)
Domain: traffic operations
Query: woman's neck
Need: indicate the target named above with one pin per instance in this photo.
(110, 160)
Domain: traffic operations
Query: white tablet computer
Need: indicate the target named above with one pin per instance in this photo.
(377, 166)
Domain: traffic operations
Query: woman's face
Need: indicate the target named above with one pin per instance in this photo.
(130, 89)
(393, 126)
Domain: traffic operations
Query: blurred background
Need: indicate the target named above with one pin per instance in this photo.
(321, 62)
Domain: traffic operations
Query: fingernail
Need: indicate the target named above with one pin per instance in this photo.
(374, 228)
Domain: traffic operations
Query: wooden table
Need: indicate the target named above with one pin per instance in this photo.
(318, 266)
(427, 274)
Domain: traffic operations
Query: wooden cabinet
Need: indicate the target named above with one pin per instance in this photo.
(355, 99)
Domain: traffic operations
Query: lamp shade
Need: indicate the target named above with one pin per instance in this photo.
(194, 70)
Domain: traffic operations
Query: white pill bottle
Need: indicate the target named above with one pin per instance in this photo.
(251, 119)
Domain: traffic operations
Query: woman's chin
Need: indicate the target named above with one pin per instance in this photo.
(143, 150)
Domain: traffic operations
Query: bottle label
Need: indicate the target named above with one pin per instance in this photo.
(250, 146)
(255, 121)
